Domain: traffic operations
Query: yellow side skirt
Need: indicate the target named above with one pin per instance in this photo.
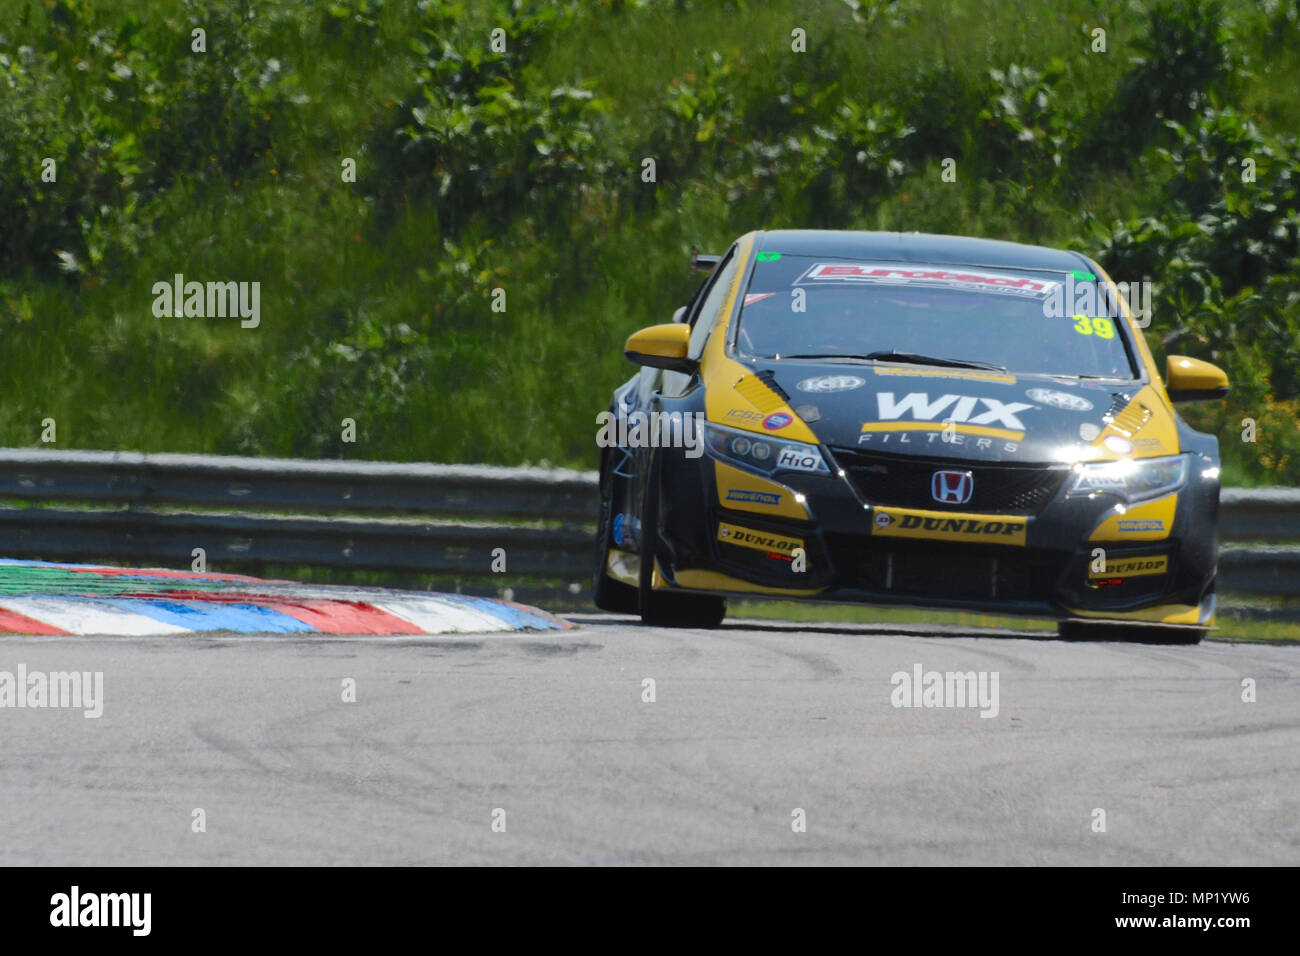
(703, 580)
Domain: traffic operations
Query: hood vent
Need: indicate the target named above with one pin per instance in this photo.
(1127, 417)
(763, 394)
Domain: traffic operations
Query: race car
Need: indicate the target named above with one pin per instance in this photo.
(907, 419)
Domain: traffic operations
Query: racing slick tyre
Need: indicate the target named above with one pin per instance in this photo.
(666, 608)
(606, 593)
(1088, 631)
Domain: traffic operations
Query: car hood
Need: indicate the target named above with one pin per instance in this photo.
(970, 414)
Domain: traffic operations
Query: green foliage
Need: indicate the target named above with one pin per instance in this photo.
(773, 146)
(1184, 58)
(1225, 257)
(1024, 128)
(481, 139)
(124, 110)
(521, 169)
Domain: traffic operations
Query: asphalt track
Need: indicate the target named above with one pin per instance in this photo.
(749, 722)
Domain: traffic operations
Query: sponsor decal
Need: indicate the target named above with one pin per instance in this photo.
(776, 421)
(1091, 325)
(940, 372)
(831, 383)
(1089, 432)
(753, 497)
(768, 256)
(893, 273)
(757, 297)
(758, 540)
(944, 526)
(1048, 396)
(618, 528)
(1140, 524)
(1149, 521)
(952, 487)
(1134, 567)
(744, 416)
(951, 408)
(951, 414)
(900, 434)
(798, 459)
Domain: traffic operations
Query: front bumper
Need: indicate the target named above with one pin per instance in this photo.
(849, 548)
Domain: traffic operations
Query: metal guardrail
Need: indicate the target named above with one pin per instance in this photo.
(277, 484)
(253, 512)
(250, 512)
(1259, 514)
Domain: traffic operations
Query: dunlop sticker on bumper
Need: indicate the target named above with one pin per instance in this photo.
(947, 526)
(1132, 567)
(758, 540)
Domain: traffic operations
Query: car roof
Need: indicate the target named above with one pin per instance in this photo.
(916, 247)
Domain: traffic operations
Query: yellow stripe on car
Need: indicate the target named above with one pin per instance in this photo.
(721, 376)
(740, 491)
(1148, 521)
(952, 427)
(701, 580)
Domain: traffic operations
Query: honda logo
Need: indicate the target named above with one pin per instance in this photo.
(952, 487)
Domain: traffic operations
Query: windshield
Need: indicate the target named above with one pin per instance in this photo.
(1028, 321)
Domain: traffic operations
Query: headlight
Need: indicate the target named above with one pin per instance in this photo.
(1132, 480)
(762, 454)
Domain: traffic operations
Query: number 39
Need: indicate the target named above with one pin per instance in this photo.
(1102, 328)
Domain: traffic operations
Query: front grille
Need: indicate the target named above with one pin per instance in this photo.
(909, 569)
(903, 481)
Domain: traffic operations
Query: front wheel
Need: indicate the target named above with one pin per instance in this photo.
(669, 608)
(1089, 631)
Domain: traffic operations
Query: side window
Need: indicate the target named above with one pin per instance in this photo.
(707, 314)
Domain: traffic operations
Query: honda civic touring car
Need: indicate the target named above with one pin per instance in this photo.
(914, 420)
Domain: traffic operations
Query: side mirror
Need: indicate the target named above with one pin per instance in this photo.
(1191, 380)
(703, 263)
(661, 346)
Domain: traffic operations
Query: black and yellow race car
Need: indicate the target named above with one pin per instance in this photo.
(906, 419)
